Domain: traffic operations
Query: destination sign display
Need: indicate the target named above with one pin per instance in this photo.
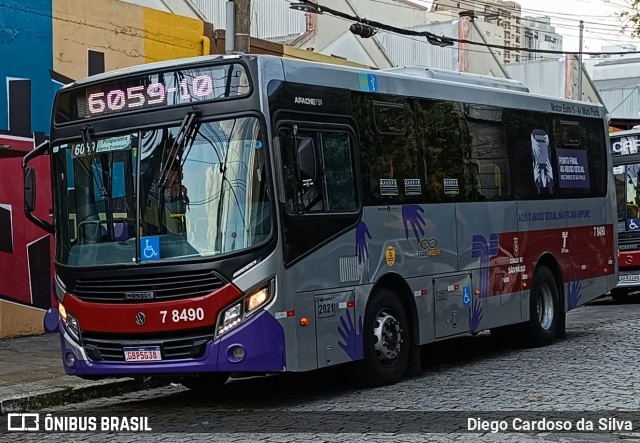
(145, 91)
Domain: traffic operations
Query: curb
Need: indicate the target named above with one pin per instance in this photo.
(62, 395)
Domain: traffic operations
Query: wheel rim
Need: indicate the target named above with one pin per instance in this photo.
(387, 337)
(544, 307)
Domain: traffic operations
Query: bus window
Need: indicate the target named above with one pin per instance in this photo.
(489, 157)
(633, 193)
(533, 170)
(619, 177)
(332, 189)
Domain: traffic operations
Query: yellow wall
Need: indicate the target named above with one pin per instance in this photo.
(170, 36)
(17, 320)
(110, 26)
(127, 34)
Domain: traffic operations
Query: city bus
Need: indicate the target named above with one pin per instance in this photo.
(244, 214)
(626, 171)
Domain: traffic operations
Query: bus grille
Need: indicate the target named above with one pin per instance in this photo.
(174, 346)
(136, 289)
(628, 243)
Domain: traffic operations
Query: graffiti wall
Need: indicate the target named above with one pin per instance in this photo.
(26, 48)
(43, 45)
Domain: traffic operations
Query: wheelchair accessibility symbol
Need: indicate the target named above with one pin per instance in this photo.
(633, 224)
(150, 248)
(466, 296)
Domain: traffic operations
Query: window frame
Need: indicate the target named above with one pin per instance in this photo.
(320, 127)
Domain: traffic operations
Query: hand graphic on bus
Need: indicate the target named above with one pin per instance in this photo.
(475, 315)
(411, 215)
(575, 292)
(362, 250)
(352, 337)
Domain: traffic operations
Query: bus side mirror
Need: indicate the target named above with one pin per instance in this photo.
(29, 181)
(307, 159)
(30, 188)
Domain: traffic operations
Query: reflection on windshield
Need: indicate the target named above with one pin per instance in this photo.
(198, 196)
(211, 197)
(628, 195)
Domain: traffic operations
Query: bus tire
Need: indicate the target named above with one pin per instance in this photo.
(619, 295)
(386, 341)
(544, 309)
(205, 383)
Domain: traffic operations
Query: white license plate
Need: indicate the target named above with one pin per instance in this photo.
(146, 353)
(630, 277)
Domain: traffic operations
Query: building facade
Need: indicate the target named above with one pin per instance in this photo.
(537, 33)
(505, 14)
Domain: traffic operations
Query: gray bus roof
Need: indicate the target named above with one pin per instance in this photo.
(438, 84)
(460, 77)
(408, 81)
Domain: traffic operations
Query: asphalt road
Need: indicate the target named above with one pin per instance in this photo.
(592, 374)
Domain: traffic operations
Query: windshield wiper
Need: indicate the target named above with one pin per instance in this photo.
(106, 181)
(185, 138)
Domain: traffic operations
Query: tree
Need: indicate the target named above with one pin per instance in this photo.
(631, 18)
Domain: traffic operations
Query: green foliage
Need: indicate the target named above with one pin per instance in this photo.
(631, 18)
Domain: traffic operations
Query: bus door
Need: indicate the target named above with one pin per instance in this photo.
(319, 203)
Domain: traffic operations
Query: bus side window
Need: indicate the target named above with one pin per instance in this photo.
(489, 155)
(533, 161)
(332, 188)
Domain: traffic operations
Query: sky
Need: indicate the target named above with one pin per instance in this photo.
(601, 28)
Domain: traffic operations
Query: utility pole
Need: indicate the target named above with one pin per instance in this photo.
(242, 26)
(580, 62)
(230, 32)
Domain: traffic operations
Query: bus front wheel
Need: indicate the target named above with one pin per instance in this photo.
(386, 341)
(544, 309)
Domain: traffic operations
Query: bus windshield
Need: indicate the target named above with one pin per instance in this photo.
(628, 195)
(158, 194)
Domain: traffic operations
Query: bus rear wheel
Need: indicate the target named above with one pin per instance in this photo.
(619, 295)
(386, 341)
(544, 309)
(205, 383)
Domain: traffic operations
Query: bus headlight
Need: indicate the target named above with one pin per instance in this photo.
(256, 300)
(70, 322)
(231, 318)
(239, 312)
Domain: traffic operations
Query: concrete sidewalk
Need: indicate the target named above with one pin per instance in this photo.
(32, 377)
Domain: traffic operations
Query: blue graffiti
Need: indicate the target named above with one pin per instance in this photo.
(362, 250)
(411, 216)
(475, 316)
(575, 292)
(26, 44)
(484, 250)
(352, 337)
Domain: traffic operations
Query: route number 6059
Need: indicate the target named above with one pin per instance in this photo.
(182, 315)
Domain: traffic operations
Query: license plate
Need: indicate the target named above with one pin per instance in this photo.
(630, 277)
(146, 353)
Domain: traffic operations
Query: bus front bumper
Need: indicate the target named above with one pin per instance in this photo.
(628, 279)
(261, 339)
